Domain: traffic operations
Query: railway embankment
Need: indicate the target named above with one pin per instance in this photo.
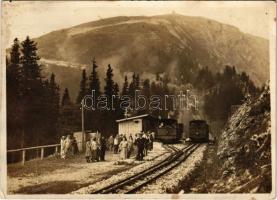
(171, 182)
(241, 161)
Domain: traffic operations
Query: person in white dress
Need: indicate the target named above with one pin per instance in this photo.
(63, 147)
(88, 153)
(94, 147)
(123, 147)
(130, 146)
(115, 144)
(67, 145)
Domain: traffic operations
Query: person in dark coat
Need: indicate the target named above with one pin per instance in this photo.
(98, 151)
(102, 148)
(151, 140)
(140, 143)
(74, 146)
(146, 144)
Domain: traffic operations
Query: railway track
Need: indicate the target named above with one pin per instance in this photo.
(137, 181)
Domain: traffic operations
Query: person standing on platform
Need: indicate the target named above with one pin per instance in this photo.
(130, 146)
(146, 143)
(120, 137)
(102, 148)
(151, 140)
(110, 142)
(88, 153)
(140, 143)
(63, 147)
(67, 145)
(98, 151)
(115, 144)
(123, 147)
(74, 146)
(135, 149)
(93, 149)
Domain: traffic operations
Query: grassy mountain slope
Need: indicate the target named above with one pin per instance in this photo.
(165, 43)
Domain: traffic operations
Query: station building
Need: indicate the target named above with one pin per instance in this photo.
(134, 125)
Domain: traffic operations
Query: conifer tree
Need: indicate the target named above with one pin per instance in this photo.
(66, 98)
(125, 87)
(116, 89)
(109, 87)
(118, 113)
(94, 83)
(146, 90)
(55, 92)
(83, 87)
(54, 104)
(116, 103)
(14, 75)
(31, 71)
(30, 66)
(137, 82)
(132, 86)
(93, 118)
(32, 92)
(14, 82)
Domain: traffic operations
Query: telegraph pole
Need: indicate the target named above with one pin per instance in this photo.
(126, 113)
(83, 125)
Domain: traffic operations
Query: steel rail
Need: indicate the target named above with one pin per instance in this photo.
(105, 190)
(186, 154)
(127, 181)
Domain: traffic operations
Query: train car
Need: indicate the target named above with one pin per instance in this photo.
(198, 131)
(169, 131)
(166, 134)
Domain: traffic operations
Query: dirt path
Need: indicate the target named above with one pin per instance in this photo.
(56, 176)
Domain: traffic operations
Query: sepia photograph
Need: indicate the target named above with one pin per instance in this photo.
(138, 99)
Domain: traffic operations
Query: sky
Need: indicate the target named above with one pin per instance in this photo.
(22, 18)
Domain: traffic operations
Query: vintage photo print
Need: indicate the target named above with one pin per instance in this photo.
(138, 99)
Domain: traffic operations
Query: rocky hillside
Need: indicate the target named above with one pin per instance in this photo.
(244, 149)
(165, 43)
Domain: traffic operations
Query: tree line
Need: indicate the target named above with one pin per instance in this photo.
(227, 89)
(105, 121)
(32, 100)
(37, 114)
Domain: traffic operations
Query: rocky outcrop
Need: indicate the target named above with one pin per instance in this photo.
(245, 148)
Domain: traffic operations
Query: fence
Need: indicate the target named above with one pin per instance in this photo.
(41, 148)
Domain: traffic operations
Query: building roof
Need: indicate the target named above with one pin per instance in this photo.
(134, 117)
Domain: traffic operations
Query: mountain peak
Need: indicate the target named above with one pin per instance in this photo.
(161, 43)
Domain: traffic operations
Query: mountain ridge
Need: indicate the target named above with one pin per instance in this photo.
(157, 44)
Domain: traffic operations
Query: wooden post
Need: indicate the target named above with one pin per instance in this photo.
(23, 157)
(42, 153)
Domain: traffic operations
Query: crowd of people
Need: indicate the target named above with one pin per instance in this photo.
(96, 147)
(139, 145)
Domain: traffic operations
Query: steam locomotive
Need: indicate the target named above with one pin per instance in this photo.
(198, 131)
(169, 131)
